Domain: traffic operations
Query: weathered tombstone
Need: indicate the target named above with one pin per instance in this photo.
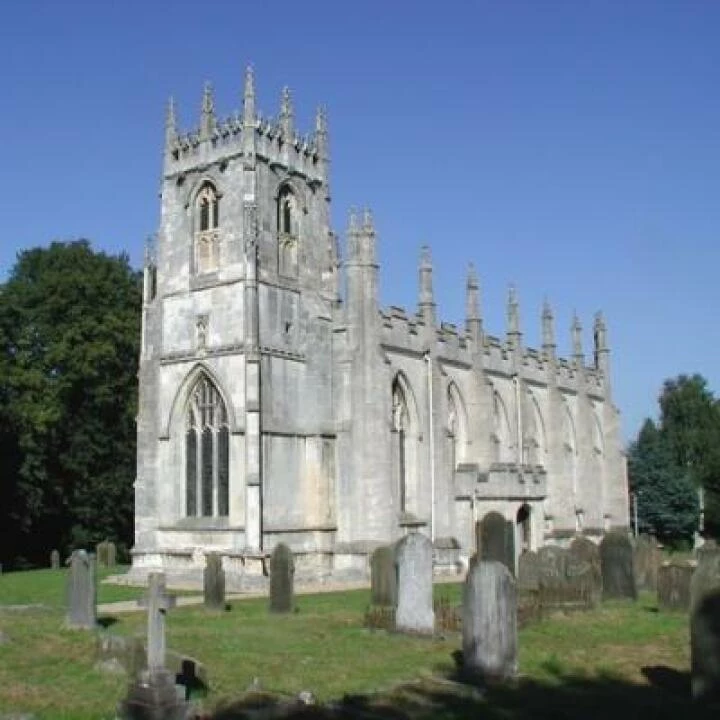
(383, 577)
(154, 695)
(647, 562)
(414, 611)
(705, 646)
(583, 569)
(106, 553)
(706, 577)
(616, 561)
(282, 571)
(489, 625)
(81, 591)
(214, 582)
(551, 565)
(496, 540)
(55, 560)
(528, 571)
(673, 586)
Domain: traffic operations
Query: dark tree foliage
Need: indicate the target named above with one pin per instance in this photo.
(69, 346)
(667, 499)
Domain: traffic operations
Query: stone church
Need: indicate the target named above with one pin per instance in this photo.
(280, 403)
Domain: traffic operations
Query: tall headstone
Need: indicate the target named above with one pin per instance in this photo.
(673, 586)
(154, 695)
(81, 591)
(414, 611)
(705, 625)
(647, 562)
(282, 572)
(55, 560)
(383, 577)
(617, 563)
(496, 540)
(214, 582)
(489, 628)
(528, 572)
(583, 569)
(106, 553)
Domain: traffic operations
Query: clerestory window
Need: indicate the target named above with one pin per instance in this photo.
(207, 452)
(207, 237)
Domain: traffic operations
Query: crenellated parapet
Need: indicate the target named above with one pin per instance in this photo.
(246, 133)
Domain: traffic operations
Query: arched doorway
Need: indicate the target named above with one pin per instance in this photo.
(523, 528)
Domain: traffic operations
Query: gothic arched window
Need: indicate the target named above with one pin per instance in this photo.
(207, 238)
(207, 467)
(287, 232)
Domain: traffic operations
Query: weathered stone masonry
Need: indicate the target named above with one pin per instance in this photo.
(274, 410)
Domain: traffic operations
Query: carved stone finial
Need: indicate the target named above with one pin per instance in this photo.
(513, 311)
(576, 333)
(600, 332)
(287, 114)
(249, 97)
(207, 122)
(171, 133)
(472, 295)
(548, 329)
(353, 221)
(368, 225)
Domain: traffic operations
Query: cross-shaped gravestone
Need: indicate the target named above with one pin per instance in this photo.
(157, 602)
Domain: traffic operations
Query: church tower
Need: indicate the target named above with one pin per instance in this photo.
(235, 422)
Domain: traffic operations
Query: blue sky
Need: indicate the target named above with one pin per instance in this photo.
(569, 148)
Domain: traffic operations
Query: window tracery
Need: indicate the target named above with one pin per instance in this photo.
(207, 235)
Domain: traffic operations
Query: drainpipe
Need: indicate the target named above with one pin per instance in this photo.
(431, 434)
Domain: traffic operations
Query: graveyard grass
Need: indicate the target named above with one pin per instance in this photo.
(627, 656)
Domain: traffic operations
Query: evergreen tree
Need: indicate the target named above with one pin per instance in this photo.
(69, 345)
(667, 499)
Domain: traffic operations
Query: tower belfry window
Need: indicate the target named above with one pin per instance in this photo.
(207, 237)
(287, 232)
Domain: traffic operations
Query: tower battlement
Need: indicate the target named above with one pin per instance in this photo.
(246, 133)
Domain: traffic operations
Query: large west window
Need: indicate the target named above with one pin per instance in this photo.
(206, 452)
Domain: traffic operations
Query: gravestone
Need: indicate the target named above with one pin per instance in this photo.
(673, 586)
(154, 694)
(705, 645)
(616, 561)
(583, 569)
(55, 560)
(551, 565)
(528, 571)
(81, 591)
(282, 571)
(214, 582)
(647, 562)
(106, 553)
(706, 577)
(414, 611)
(489, 627)
(383, 577)
(495, 539)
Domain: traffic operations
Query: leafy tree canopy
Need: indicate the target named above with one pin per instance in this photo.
(69, 345)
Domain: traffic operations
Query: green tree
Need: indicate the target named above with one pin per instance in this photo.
(69, 345)
(690, 426)
(667, 500)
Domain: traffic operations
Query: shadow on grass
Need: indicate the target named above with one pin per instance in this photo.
(561, 698)
(105, 621)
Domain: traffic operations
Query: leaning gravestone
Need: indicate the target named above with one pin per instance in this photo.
(647, 562)
(214, 582)
(81, 591)
(528, 571)
(583, 569)
(55, 560)
(616, 561)
(154, 695)
(383, 578)
(673, 586)
(414, 611)
(489, 627)
(496, 540)
(282, 571)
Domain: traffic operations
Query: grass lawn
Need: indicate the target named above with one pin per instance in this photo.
(623, 660)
